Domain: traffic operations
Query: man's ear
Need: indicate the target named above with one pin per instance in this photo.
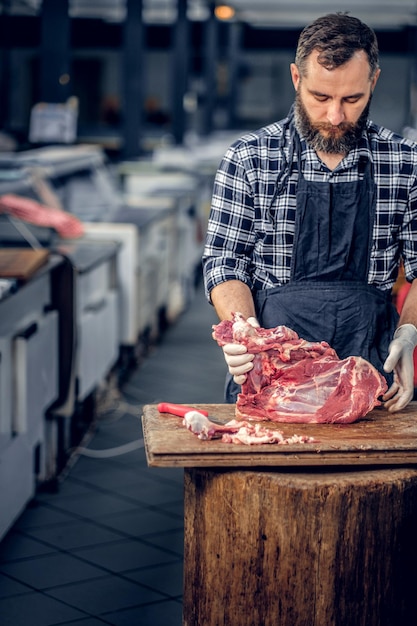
(375, 79)
(295, 75)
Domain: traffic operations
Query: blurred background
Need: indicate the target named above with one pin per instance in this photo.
(145, 71)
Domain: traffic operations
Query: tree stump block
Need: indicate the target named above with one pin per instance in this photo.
(300, 548)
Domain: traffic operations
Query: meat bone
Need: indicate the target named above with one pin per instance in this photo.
(198, 421)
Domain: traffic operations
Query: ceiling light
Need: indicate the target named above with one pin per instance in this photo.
(224, 12)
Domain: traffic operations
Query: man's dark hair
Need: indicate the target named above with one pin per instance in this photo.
(336, 36)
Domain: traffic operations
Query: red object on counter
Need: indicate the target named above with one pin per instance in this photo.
(68, 226)
(178, 409)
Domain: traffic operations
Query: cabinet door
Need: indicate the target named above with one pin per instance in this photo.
(98, 343)
(6, 382)
(17, 480)
(36, 366)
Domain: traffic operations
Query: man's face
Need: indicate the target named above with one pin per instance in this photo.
(332, 106)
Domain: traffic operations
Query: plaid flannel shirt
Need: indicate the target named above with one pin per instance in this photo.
(250, 233)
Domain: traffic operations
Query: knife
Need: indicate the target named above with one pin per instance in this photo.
(180, 410)
(197, 421)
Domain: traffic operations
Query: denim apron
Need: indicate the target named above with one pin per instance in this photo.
(328, 297)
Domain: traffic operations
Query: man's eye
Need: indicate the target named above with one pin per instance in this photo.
(321, 98)
(352, 100)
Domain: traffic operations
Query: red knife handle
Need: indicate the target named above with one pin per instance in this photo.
(178, 409)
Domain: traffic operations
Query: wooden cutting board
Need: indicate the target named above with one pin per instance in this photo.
(380, 438)
(21, 263)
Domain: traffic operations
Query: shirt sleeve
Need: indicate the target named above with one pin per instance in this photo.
(230, 233)
(408, 232)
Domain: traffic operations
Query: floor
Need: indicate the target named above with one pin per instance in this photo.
(107, 547)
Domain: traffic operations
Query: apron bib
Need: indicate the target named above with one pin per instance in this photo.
(328, 297)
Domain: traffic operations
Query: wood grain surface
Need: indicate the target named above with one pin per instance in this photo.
(300, 548)
(380, 438)
(21, 263)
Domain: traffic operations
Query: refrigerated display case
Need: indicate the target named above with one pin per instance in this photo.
(29, 385)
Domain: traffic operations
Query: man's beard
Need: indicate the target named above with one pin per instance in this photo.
(332, 144)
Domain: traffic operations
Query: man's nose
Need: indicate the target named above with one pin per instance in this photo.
(335, 113)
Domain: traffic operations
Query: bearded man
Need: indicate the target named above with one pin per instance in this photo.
(312, 215)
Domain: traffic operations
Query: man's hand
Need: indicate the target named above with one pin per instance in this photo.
(400, 360)
(238, 359)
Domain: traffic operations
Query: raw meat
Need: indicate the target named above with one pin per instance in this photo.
(298, 381)
(238, 432)
(251, 434)
(68, 226)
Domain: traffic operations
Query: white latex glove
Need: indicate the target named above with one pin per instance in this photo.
(237, 357)
(400, 360)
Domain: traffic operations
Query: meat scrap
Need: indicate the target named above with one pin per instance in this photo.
(297, 381)
(250, 434)
(238, 432)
